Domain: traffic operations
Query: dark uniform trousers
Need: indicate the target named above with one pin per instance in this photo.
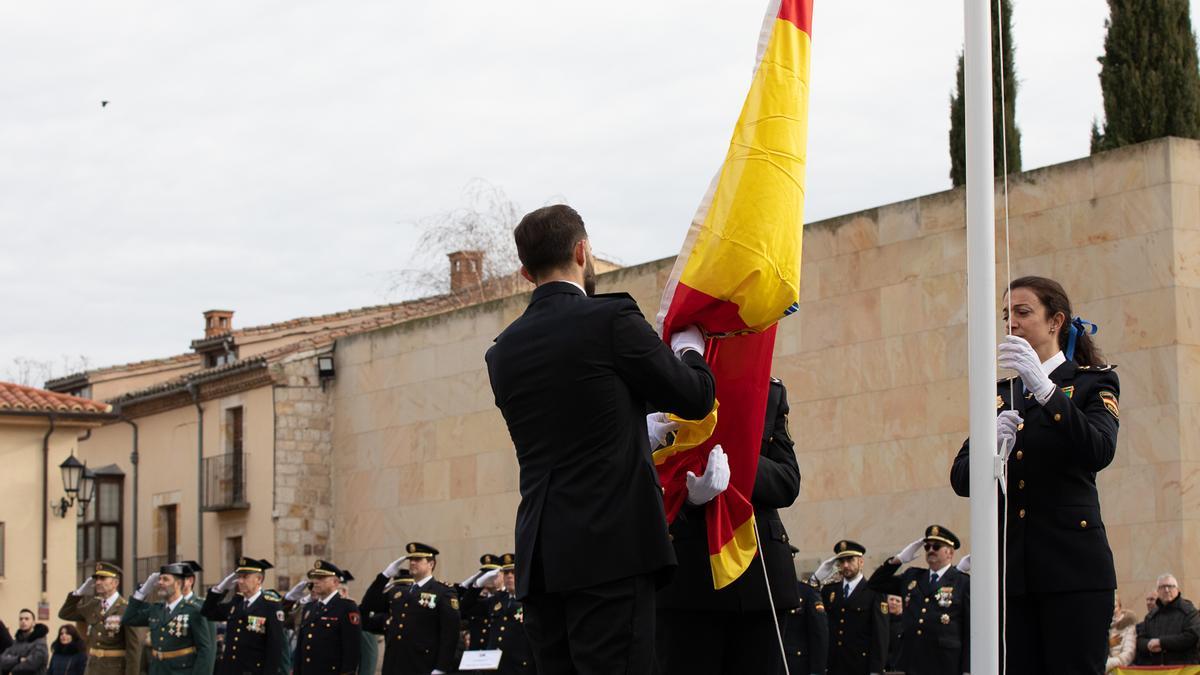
(329, 638)
(806, 633)
(936, 618)
(731, 630)
(1060, 575)
(858, 629)
(422, 626)
(254, 643)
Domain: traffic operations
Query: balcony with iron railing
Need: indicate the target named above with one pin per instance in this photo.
(149, 565)
(225, 482)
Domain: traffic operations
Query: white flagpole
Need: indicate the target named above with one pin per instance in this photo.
(981, 339)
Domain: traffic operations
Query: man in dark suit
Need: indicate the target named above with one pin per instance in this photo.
(254, 642)
(735, 624)
(574, 377)
(329, 639)
(858, 616)
(937, 605)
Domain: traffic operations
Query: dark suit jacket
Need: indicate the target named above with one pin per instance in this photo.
(937, 625)
(574, 377)
(858, 629)
(776, 486)
(1053, 507)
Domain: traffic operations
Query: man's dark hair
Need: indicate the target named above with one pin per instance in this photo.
(27, 611)
(546, 238)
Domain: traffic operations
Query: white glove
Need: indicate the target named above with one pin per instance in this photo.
(688, 338)
(1006, 430)
(86, 588)
(151, 582)
(394, 568)
(470, 581)
(964, 565)
(702, 490)
(1015, 353)
(485, 578)
(910, 552)
(226, 583)
(296, 592)
(435, 671)
(658, 427)
(824, 570)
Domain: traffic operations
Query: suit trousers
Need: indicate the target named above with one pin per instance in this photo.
(1058, 633)
(607, 629)
(717, 643)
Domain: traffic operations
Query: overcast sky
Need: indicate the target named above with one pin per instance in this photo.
(271, 157)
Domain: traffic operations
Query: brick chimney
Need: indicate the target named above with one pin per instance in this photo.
(217, 322)
(466, 270)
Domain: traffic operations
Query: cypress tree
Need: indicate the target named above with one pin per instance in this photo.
(958, 130)
(1148, 74)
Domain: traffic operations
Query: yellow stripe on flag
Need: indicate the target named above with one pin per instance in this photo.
(735, 556)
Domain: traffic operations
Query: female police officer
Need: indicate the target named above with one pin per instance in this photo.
(1060, 419)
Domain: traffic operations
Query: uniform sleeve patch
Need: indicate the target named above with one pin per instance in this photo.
(355, 618)
(1110, 403)
(453, 602)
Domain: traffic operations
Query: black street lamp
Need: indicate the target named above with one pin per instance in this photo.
(78, 483)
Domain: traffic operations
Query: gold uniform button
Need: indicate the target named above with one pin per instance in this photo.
(920, 620)
(1021, 426)
(1020, 454)
(1021, 485)
(1057, 417)
(1021, 513)
(918, 631)
(924, 609)
(1083, 523)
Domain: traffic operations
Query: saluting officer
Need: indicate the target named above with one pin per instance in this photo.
(180, 637)
(937, 605)
(113, 648)
(1058, 420)
(189, 594)
(422, 633)
(254, 643)
(508, 625)
(474, 596)
(858, 619)
(329, 637)
(806, 630)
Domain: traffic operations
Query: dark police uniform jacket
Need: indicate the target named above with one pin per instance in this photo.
(329, 638)
(936, 618)
(422, 625)
(574, 376)
(106, 634)
(180, 639)
(508, 635)
(776, 486)
(254, 642)
(1053, 508)
(858, 629)
(474, 608)
(806, 633)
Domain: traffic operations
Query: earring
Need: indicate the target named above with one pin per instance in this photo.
(1052, 329)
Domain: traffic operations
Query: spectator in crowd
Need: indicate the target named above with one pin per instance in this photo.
(67, 654)
(1171, 631)
(895, 630)
(29, 653)
(5, 638)
(1122, 637)
(1151, 601)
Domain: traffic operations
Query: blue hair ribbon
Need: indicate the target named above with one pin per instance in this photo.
(1078, 327)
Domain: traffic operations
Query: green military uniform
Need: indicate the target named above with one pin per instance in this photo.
(180, 637)
(114, 648)
(191, 568)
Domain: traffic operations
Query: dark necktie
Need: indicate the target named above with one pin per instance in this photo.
(846, 590)
(933, 578)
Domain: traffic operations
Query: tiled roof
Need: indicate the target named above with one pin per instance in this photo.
(196, 377)
(16, 398)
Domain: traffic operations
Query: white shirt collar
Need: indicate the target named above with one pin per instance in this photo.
(253, 597)
(568, 281)
(172, 605)
(853, 582)
(1053, 362)
(421, 583)
(325, 600)
(111, 600)
(942, 572)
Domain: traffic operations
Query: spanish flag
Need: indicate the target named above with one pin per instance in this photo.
(737, 275)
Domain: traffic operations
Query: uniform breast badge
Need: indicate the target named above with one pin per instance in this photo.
(945, 596)
(428, 601)
(256, 624)
(946, 619)
(112, 624)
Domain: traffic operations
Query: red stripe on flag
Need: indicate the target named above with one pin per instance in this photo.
(690, 306)
(798, 12)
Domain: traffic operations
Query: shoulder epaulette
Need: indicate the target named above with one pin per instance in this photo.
(272, 596)
(1098, 369)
